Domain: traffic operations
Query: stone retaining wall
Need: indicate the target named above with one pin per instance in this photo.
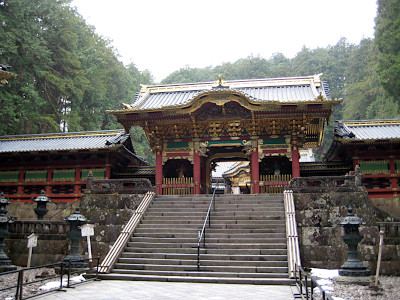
(109, 213)
(319, 210)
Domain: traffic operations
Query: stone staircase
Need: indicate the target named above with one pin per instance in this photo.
(246, 242)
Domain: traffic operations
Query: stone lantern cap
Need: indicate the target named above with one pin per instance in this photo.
(351, 219)
(42, 198)
(76, 217)
(4, 200)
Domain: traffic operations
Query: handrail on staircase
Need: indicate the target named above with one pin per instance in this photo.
(112, 256)
(291, 234)
(202, 233)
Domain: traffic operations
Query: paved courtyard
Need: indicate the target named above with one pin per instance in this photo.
(113, 289)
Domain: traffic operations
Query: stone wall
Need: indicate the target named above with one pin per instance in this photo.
(321, 204)
(109, 213)
(52, 244)
(25, 210)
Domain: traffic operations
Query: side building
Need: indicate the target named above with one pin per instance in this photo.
(374, 145)
(59, 163)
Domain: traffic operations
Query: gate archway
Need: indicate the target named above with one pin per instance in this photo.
(258, 118)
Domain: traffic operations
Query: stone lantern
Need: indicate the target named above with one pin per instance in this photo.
(353, 266)
(76, 220)
(41, 201)
(5, 262)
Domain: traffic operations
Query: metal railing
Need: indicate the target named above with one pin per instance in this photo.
(66, 268)
(111, 257)
(293, 250)
(306, 284)
(202, 233)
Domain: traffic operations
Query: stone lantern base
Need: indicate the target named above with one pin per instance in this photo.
(354, 268)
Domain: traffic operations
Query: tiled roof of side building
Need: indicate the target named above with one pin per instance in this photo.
(368, 130)
(63, 141)
(237, 166)
(284, 90)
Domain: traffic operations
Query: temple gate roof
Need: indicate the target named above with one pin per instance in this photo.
(287, 90)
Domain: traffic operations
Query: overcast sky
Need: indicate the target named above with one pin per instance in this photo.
(166, 35)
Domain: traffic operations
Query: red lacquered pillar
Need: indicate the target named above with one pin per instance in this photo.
(255, 172)
(295, 161)
(159, 172)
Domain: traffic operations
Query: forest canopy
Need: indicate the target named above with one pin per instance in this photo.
(68, 75)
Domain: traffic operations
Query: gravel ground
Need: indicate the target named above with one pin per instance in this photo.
(42, 275)
(388, 289)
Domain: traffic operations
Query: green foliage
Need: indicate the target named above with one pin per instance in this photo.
(363, 90)
(66, 72)
(141, 144)
(186, 75)
(387, 39)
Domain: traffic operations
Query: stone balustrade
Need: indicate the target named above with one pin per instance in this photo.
(321, 184)
(120, 186)
(391, 230)
(40, 227)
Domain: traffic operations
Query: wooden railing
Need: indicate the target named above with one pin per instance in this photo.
(291, 234)
(178, 186)
(274, 184)
(126, 233)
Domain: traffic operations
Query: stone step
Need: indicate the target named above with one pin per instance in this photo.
(209, 240)
(218, 201)
(216, 226)
(219, 196)
(214, 235)
(221, 219)
(221, 209)
(193, 267)
(193, 256)
(210, 251)
(233, 204)
(212, 230)
(200, 277)
(276, 245)
(246, 241)
(204, 272)
(201, 214)
(210, 263)
(217, 221)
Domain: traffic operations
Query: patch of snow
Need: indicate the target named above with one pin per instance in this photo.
(323, 282)
(324, 273)
(56, 284)
(324, 279)
(50, 286)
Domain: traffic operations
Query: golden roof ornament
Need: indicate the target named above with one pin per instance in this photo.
(220, 83)
(126, 106)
